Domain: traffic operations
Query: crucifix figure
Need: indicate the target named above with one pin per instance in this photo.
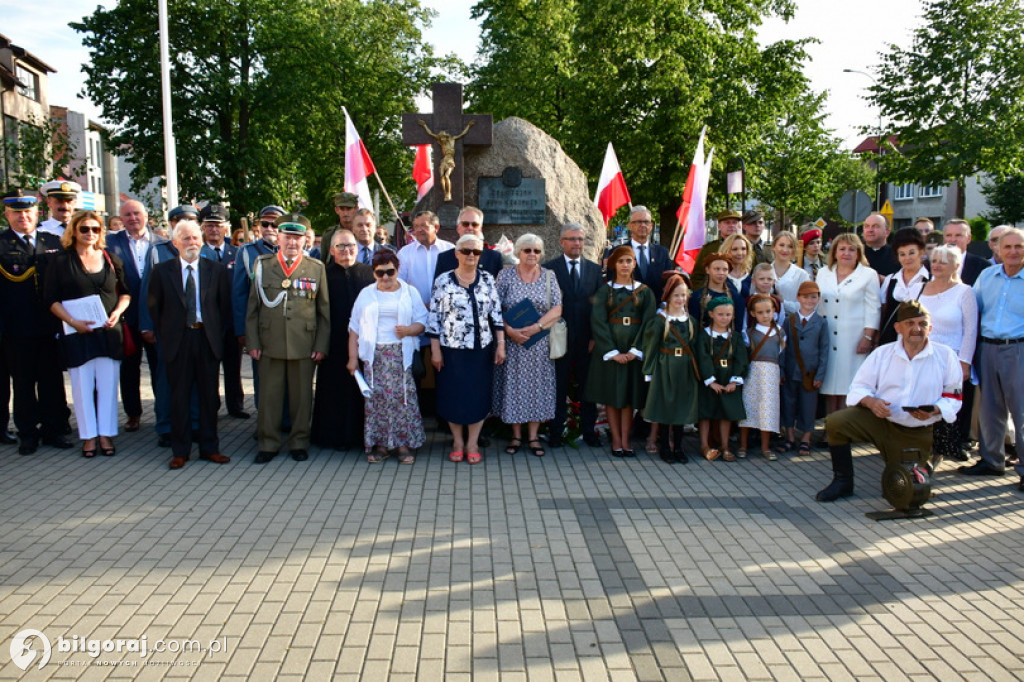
(440, 128)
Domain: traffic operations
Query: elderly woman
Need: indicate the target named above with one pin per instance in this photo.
(467, 338)
(810, 257)
(621, 307)
(94, 350)
(788, 277)
(740, 252)
(954, 311)
(849, 301)
(335, 385)
(524, 390)
(384, 330)
(906, 284)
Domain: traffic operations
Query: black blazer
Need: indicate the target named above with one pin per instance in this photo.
(23, 310)
(166, 301)
(973, 265)
(490, 261)
(576, 304)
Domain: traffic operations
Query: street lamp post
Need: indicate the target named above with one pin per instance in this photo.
(878, 185)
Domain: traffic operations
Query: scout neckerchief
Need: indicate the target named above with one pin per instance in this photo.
(288, 270)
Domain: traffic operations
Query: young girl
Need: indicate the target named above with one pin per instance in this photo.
(671, 367)
(716, 267)
(722, 360)
(621, 307)
(762, 281)
(761, 389)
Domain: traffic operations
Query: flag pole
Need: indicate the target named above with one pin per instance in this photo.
(398, 217)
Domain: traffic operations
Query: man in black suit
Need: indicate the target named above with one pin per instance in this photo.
(579, 280)
(364, 227)
(651, 259)
(471, 221)
(957, 232)
(190, 301)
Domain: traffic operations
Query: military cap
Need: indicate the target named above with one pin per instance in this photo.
(214, 213)
(752, 216)
(181, 211)
(61, 189)
(911, 309)
(718, 301)
(272, 209)
(346, 199)
(19, 200)
(727, 214)
(292, 223)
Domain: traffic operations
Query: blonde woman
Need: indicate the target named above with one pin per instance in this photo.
(788, 275)
(738, 249)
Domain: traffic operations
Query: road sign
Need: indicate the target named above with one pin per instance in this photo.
(854, 206)
(887, 211)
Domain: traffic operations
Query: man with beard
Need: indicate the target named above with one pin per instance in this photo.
(61, 201)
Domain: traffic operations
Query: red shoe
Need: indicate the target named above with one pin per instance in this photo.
(456, 456)
(474, 457)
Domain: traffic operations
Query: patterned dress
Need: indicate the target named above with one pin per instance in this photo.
(524, 387)
(761, 386)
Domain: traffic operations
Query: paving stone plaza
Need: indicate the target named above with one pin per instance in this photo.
(575, 566)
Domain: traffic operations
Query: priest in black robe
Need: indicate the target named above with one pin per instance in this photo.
(338, 411)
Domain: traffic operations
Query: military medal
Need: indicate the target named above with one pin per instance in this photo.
(285, 283)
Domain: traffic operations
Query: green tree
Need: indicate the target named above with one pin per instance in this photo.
(952, 98)
(1006, 197)
(257, 92)
(36, 151)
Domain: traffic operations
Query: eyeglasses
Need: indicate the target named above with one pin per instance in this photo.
(470, 252)
(466, 223)
(86, 229)
(572, 239)
(529, 250)
(346, 247)
(268, 223)
(641, 222)
(385, 272)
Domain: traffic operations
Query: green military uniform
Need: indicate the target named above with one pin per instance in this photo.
(721, 358)
(288, 320)
(670, 361)
(616, 319)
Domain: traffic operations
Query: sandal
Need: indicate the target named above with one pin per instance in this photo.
(741, 453)
(783, 448)
(651, 447)
(538, 450)
(728, 456)
(474, 457)
(377, 456)
(456, 456)
(805, 449)
(89, 454)
(405, 457)
(513, 446)
(107, 451)
(769, 455)
(711, 454)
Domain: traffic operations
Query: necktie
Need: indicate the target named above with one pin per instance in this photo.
(29, 243)
(642, 261)
(574, 275)
(288, 262)
(216, 250)
(190, 298)
(366, 255)
(803, 323)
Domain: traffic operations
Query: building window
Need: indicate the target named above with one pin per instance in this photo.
(903, 191)
(928, 192)
(29, 82)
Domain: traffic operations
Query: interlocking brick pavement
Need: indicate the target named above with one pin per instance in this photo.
(575, 566)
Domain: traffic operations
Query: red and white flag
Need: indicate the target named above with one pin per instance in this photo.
(358, 166)
(611, 187)
(691, 212)
(423, 170)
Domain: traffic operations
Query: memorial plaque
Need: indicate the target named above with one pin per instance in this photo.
(512, 199)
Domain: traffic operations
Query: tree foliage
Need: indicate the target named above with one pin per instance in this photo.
(1006, 198)
(39, 150)
(258, 87)
(953, 96)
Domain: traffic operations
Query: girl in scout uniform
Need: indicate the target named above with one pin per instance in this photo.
(722, 360)
(761, 399)
(670, 365)
(621, 307)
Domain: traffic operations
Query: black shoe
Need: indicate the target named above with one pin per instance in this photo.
(29, 444)
(58, 442)
(980, 468)
(300, 455)
(839, 487)
(680, 456)
(592, 439)
(1020, 486)
(961, 455)
(7, 438)
(667, 457)
(628, 453)
(554, 441)
(264, 456)
(483, 441)
(618, 453)
(163, 440)
(239, 414)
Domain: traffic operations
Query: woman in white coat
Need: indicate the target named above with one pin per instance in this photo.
(849, 301)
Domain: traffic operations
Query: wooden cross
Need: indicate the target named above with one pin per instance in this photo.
(449, 130)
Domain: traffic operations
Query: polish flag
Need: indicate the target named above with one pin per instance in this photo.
(611, 188)
(423, 171)
(358, 166)
(691, 212)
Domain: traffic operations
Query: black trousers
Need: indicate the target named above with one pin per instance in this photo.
(194, 365)
(573, 366)
(38, 379)
(232, 361)
(131, 373)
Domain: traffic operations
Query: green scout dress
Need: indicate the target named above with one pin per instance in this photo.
(721, 358)
(670, 361)
(617, 317)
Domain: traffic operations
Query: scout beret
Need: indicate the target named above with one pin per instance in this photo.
(61, 189)
(810, 235)
(347, 199)
(727, 214)
(718, 301)
(214, 213)
(19, 200)
(808, 287)
(911, 309)
(292, 223)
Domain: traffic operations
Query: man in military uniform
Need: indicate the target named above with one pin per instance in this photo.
(728, 225)
(61, 200)
(345, 205)
(29, 342)
(753, 228)
(287, 330)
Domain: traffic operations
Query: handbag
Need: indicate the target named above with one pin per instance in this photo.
(558, 339)
(127, 335)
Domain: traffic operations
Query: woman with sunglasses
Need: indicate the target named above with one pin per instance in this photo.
(467, 339)
(384, 330)
(524, 390)
(93, 349)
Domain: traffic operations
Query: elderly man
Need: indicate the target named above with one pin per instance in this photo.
(579, 279)
(957, 232)
(651, 259)
(471, 221)
(753, 228)
(287, 330)
(902, 389)
(189, 299)
(345, 206)
(364, 227)
(876, 246)
(728, 225)
(993, 243)
(1000, 294)
(138, 249)
(61, 201)
(29, 343)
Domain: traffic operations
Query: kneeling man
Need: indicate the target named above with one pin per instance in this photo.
(901, 389)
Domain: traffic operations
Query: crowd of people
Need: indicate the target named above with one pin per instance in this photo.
(354, 346)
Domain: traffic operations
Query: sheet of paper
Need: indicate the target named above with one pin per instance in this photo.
(85, 308)
(364, 387)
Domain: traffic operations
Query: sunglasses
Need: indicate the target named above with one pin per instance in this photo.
(268, 223)
(346, 247)
(86, 229)
(388, 272)
(466, 223)
(470, 252)
(536, 251)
